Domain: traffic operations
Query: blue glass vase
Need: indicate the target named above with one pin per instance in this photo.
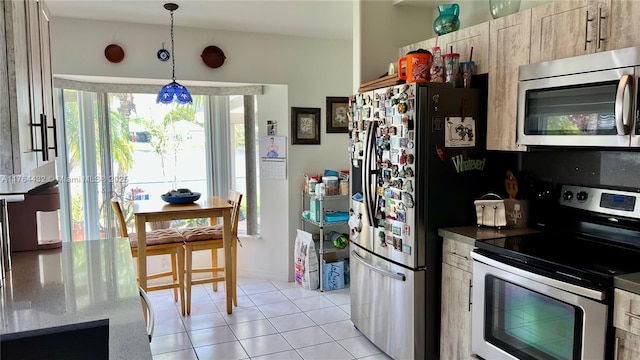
(448, 20)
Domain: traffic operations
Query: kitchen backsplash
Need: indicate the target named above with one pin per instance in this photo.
(616, 169)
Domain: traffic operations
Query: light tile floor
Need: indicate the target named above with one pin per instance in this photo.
(273, 320)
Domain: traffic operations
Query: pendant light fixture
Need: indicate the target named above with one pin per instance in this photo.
(173, 90)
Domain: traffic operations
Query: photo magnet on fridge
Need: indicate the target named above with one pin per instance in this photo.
(459, 133)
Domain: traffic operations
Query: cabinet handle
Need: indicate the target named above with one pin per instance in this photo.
(615, 348)
(45, 138)
(586, 31)
(470, 294)
(458, 255)
(632, 315)
(600, 18)
(55, 137)
(43, 135)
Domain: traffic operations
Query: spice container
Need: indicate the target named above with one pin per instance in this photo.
(451, 67)
(344, 187)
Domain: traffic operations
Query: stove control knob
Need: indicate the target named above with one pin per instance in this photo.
(567, 196)
(582, 196)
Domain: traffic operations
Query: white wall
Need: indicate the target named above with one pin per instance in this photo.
(301, 72)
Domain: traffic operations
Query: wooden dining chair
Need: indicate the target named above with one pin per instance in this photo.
(210, 238)
(159, 242)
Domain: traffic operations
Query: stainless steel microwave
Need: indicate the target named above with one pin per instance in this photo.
(588, 100)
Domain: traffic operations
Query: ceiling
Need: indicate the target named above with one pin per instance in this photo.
(327, 19)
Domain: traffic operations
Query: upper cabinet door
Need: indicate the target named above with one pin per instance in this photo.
(47, 80)
(509, 46)
(463, 40)
(567, 28)
(620, 28)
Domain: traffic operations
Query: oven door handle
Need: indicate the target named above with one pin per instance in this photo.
(622, 100)
(575, 289)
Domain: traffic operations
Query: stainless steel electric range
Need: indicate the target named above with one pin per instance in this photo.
(550, 295)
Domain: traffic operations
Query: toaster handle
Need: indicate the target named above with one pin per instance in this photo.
(622, 104)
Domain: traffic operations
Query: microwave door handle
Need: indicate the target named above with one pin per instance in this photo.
(622, 99)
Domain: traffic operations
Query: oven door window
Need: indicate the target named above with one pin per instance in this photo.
(572, 110)
(531, 325)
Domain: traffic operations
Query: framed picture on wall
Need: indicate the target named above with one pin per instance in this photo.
(337, 114)
(305, 126)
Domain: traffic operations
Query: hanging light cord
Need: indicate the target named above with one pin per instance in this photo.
(173, 54)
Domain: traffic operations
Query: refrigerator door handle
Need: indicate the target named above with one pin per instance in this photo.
(397, 276)
(369, 155)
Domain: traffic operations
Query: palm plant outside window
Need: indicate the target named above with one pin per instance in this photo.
(123, 145)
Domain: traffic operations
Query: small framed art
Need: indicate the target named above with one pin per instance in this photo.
(337, 114)
(305, 126)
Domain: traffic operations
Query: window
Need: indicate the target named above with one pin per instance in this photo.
(124, 145)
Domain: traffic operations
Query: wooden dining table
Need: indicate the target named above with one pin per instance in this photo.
(211, 207)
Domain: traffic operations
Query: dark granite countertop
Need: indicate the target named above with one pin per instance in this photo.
(469, 234)
(628, 282)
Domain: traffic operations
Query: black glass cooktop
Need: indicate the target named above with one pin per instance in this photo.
(589, 254)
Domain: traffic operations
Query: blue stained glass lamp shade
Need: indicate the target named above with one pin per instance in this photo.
(171, 90)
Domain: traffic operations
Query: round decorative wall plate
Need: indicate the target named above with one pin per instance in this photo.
(114, 53)
(213, 56)
(163, 55)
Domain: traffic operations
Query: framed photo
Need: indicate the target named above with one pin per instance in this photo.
(305, 126)
(337, 114)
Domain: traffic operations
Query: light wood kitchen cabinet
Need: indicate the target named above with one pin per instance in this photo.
(563, 29)
(26, 97)
(509, 38)
(626, 319)
(627, 346)
(621, 26)
(455, 330)
(476, 37)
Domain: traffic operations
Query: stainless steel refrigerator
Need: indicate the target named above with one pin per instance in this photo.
(417, 164)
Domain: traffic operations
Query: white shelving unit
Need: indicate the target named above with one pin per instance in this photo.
(322, 224)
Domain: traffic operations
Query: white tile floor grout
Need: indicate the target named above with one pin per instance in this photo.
(273, 320)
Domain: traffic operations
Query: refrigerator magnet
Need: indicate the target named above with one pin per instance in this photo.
(406, 230)
(396, 229)
(397, 243)
(410, 158)
(401, 216)
(406, 249)
(403, 157)
(408, 171)
(395, 171)
(440, 152)
(408, 185)
(381, 238)
(389, 239)
(408, 200)
(459, 134)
